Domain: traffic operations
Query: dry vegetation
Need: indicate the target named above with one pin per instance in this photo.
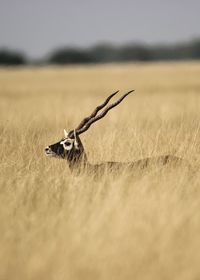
(55, 226)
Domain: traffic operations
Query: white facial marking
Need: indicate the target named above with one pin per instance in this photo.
(67, 144)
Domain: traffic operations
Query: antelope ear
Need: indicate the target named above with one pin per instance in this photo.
(65, 133)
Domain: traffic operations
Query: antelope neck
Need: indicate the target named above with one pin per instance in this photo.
(77, 161)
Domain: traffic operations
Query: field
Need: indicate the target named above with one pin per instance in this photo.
(144, 225)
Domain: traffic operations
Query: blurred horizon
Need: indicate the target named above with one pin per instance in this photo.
(37, 28)
(97, 44)
(107, 53)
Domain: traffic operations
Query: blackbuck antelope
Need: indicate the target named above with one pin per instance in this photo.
(71, 148)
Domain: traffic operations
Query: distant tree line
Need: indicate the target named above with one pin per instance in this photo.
(127, 53)
(106, 53)
(8, 57)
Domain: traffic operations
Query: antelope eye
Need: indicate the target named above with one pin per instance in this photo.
(67, 143)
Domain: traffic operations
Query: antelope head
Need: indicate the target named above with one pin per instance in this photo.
(70, 147)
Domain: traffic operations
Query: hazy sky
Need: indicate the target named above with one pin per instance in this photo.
(38, 26)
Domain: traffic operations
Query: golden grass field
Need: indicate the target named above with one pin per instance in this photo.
(141, 226)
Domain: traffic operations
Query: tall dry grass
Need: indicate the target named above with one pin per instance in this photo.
(56, 226)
